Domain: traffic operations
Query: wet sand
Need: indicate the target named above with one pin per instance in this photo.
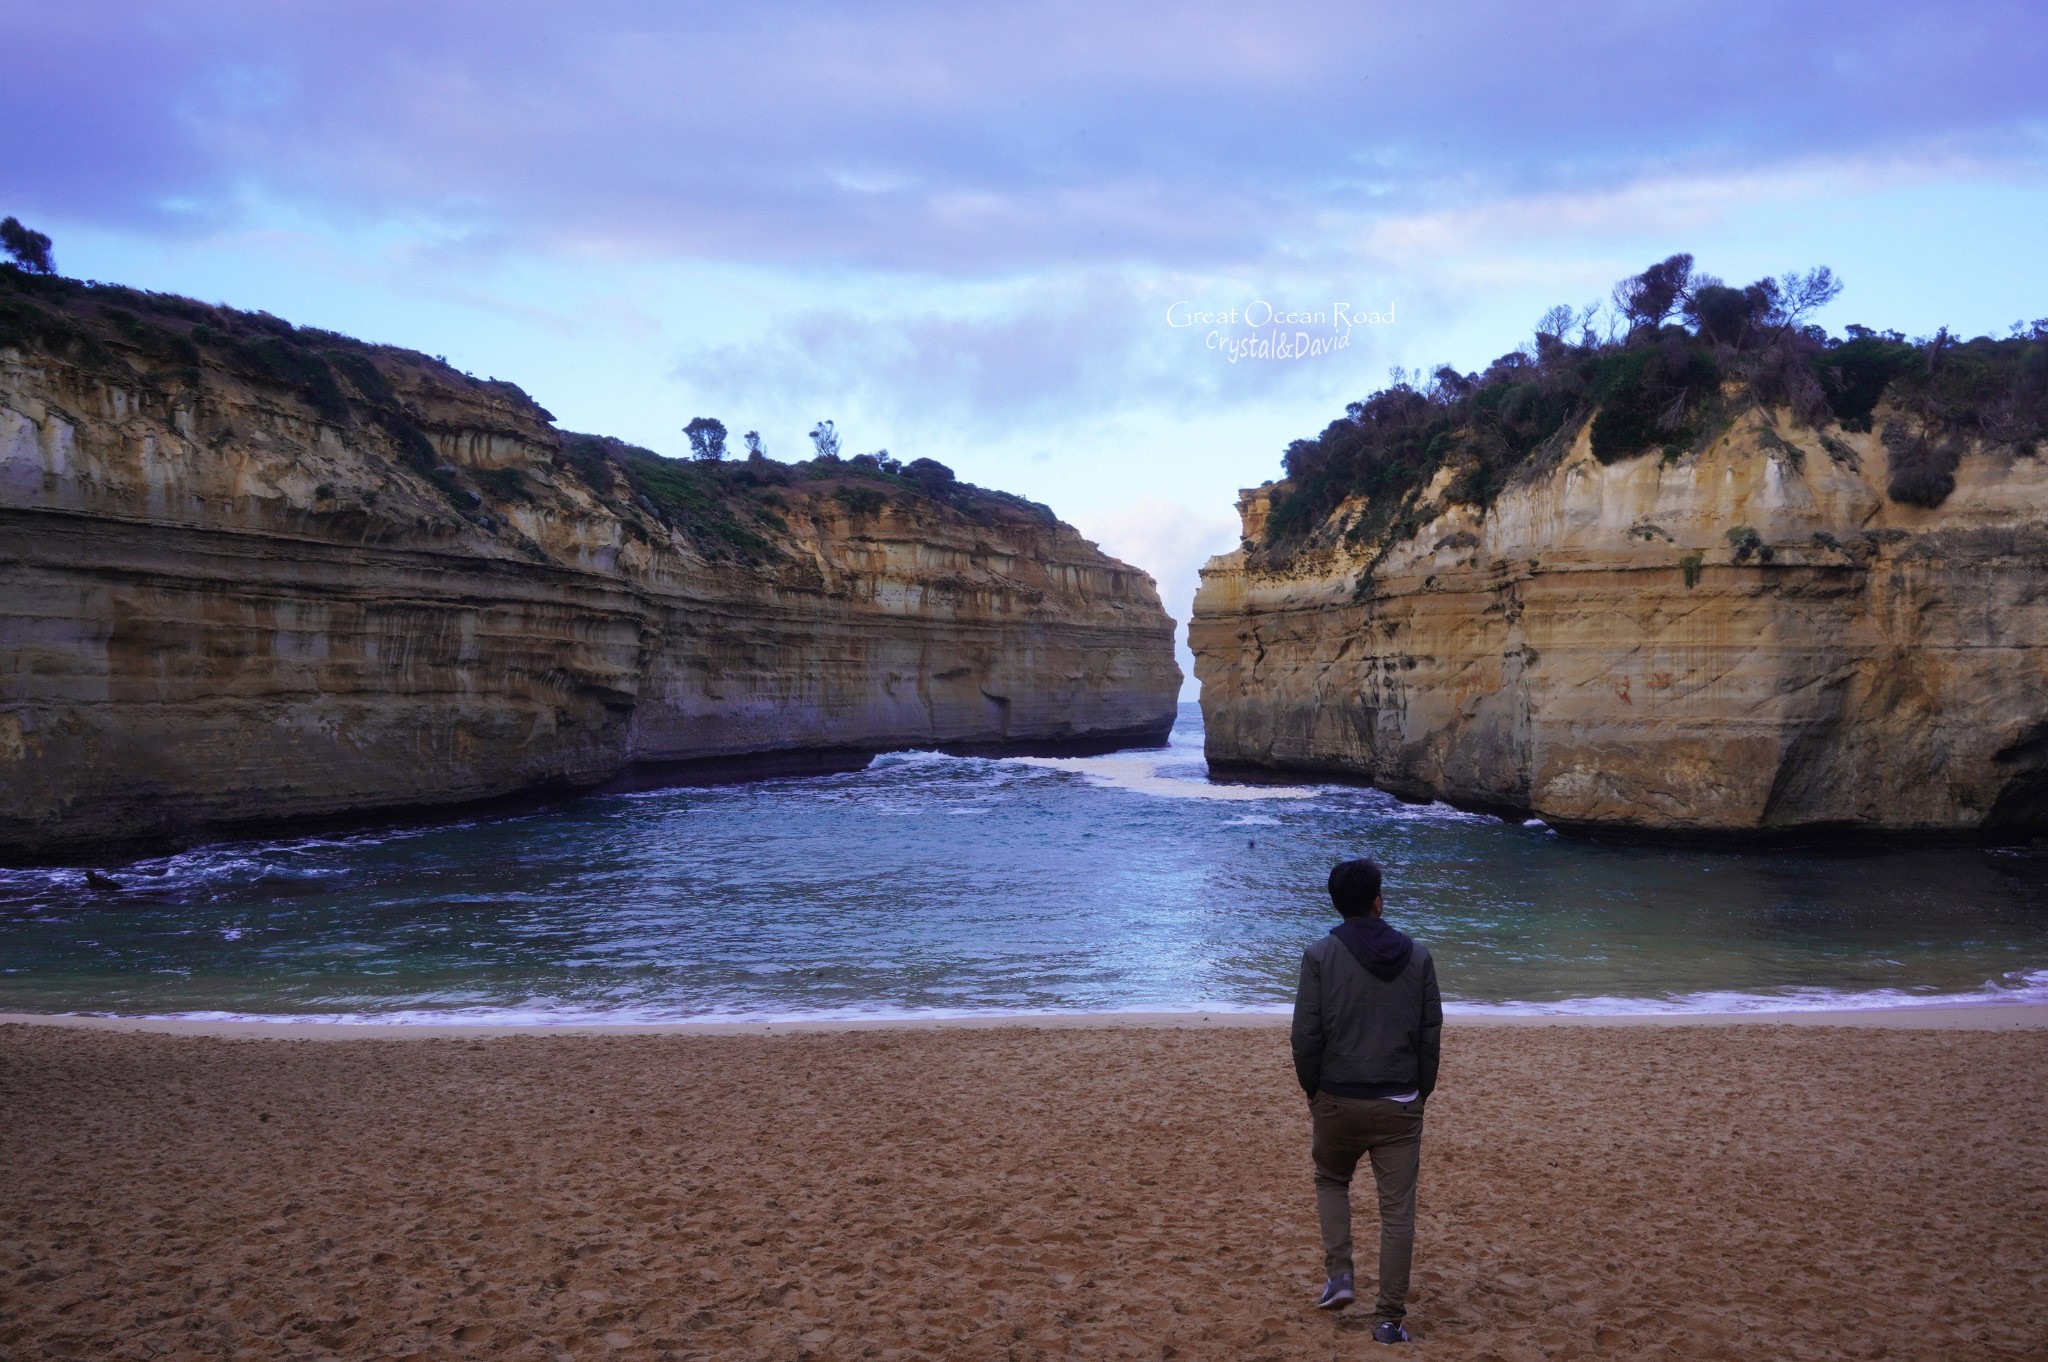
(1917, 1017)
(1142, 1191)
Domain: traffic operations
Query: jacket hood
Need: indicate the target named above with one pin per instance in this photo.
(1383, 951)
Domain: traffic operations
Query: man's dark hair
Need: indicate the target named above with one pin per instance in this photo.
(1354, 885)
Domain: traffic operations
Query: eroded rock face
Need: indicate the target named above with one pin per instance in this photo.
(221, 606)
(1752, 639)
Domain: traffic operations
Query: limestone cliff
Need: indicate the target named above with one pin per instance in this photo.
(1747, 636)
(252, 573)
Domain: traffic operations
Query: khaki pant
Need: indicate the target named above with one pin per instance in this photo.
(1346, 1129)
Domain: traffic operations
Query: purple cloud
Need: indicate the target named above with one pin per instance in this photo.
(964, 138)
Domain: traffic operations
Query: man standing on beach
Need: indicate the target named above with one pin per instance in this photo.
(1368, 1028)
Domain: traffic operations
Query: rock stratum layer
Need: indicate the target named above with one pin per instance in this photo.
(1748, 639)
(249, 580)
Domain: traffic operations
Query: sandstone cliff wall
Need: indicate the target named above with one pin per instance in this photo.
(222, 604)
(1607, 649)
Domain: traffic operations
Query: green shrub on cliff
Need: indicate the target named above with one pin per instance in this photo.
(155, 342)
(1922, 470)
(1992, 390)
(163, 344)
(1857, 372)
(1744, 543)
(1648, 396)
(860, 501)
(1681, 355)
(733, 510)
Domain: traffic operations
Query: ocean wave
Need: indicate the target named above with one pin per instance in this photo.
(307, 857)
(917, 757)
(573, 1016)
(1149, 775)
(1395, 810)
(2021, 988)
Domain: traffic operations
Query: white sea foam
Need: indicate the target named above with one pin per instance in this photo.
(2022, 988)
(568, 1015)
(1435, 811)
(1148, 774)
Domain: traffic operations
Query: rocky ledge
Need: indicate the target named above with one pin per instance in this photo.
(1747, 637)
(257, 574)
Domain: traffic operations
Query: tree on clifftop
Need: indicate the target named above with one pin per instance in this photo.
(1646, 299)
(30, 249)
(825, 438)
(707, 438)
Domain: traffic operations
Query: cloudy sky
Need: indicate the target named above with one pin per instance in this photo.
(959, 230)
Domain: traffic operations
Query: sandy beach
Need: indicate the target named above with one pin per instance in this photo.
(1142, 1191)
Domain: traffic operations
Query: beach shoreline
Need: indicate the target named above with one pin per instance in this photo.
(1931, 1016)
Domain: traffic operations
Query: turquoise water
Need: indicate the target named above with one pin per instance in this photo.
(935, 884)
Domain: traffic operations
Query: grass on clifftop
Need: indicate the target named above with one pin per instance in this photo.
(1681, 355)
(729, 510)
(162, 343)
(734, 508)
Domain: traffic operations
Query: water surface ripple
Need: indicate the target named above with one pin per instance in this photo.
(935, 884)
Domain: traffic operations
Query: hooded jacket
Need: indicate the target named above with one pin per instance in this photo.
(1368, 1020)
